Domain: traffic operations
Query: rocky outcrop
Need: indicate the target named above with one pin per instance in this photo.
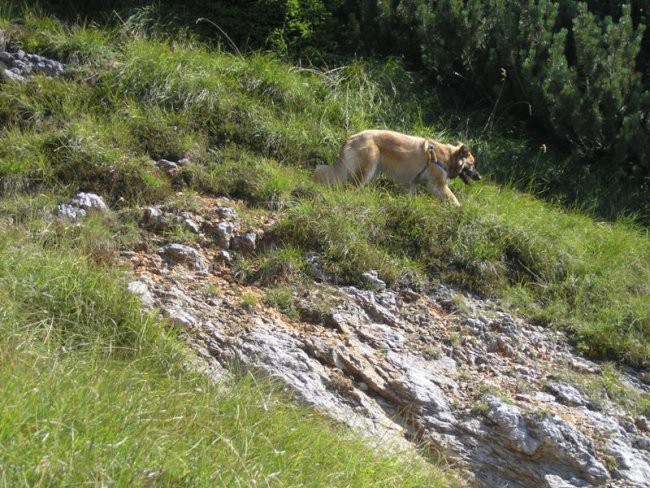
(18, 65)
(81, 204)
(473, 382)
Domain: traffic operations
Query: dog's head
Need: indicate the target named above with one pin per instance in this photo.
(466, 164)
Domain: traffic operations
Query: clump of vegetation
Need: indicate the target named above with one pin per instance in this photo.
(249, 301)
(282, 299)
(608, 384)
(571, 69)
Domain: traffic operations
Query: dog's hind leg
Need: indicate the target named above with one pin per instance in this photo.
(368, 163)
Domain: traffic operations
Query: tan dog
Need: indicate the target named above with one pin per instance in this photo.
(407, 160)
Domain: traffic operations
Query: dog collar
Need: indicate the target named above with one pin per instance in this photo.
(431, 158)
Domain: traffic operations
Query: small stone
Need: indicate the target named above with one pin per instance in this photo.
(540, 396)
(154, 218)
(501, 346)
(17, 63)
(246, 243)
(583, 366)
(316, 268)
(227, 213)
(183, 161)
(459, 355)
(12, 74)
(567, 394)
(480, 359)
(508, 351)
(169, 167)
(142, 291)
(642, 443)
(192, 226)
(223, 256)
(410, 296)
(642, 423)
(70, 212)
(372, 279)
(89, 201)
(6, 57)
(20, 54)
(555, 481)
(180, 253)
(222, 232)
(179, 317)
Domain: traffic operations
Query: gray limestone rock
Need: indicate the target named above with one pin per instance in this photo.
(154, 219)
(564, 443)
(11, 75)
(179, 317)
(71, 212)
(191, 226)
(89, 201)
(223, 234)
(141, 290)
(19, 65)
(246, 243)
(567, 394)
(169, 167)
(363, 357)
(227, 213)
(180, 253)
(371, 278)
(632, 464)
(512, 425)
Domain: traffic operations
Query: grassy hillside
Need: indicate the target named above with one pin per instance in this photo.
(93, 390)
(253, 128)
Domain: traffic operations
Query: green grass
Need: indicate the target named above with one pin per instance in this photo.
(254, 127)
(94, 391)
(76, 419)
(557, 267)
(608, 385)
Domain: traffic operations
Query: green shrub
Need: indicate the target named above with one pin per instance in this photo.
(575, 72)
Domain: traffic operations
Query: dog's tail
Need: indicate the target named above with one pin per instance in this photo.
(335, 174)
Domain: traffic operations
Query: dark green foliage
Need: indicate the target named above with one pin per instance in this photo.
(575, 73)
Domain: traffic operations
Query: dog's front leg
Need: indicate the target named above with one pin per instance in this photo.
(451, 196)
(443, 193)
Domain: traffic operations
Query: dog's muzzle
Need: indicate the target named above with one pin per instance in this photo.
(468, 173)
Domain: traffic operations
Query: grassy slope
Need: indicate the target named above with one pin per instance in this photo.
(254, 128)
(93, 391)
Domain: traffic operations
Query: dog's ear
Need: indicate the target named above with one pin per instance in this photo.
(463, 149)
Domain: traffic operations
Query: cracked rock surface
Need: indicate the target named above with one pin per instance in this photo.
(474, 383)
